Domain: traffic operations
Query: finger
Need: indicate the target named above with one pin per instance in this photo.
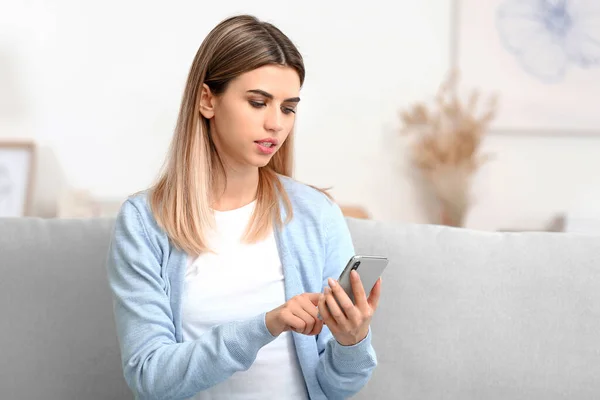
(309, 304)
(314, 298)
(344, 301)
(338, 291)
(360, 297)
(317, 328)
(293, 322)
(334, 309)
(374, 296)
(309, 320)
(324, 312)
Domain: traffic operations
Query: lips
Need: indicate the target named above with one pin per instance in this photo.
(267, 141)
(266, 146)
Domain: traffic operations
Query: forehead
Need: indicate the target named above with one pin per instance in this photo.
(280, 81)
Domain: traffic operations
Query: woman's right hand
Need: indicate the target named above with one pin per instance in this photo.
(299, 314)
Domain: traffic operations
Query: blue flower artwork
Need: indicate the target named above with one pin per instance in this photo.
(549, 36)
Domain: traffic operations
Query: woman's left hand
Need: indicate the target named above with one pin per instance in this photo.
(349, 323)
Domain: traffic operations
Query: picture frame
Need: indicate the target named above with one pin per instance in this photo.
(546, 86)
(17, 169)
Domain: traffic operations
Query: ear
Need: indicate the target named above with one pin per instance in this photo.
(207, 100)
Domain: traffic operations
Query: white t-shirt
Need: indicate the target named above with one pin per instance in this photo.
(239, 282)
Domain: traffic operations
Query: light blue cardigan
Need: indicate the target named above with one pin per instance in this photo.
(145, 274)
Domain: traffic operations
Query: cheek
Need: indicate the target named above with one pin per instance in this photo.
(248, 121)
(289, 126)
(235, 122)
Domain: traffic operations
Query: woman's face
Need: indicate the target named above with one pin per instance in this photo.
(254, 116)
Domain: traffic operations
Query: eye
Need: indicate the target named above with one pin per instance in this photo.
(256, 104)
(287, 110)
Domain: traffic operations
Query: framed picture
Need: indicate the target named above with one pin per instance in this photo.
(17, 162)
(542, 58)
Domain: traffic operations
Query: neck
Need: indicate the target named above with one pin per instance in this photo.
(236, 188)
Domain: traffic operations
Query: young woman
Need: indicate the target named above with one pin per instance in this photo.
(223, 272)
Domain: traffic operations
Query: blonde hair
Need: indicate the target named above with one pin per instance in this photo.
(181, 198)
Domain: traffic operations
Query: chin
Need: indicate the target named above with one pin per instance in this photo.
(259, 162)
(262, 163)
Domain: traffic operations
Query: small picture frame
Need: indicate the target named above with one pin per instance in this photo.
(541, 57)
(17, 166)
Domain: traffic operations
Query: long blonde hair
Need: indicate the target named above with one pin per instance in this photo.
(181, 198)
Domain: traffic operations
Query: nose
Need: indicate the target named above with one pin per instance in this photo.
(273, 120)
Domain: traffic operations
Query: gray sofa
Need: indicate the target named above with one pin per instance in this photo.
(463, 315)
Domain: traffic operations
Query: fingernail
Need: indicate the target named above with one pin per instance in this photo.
(327, 290)
(354, 274)
(332, 282)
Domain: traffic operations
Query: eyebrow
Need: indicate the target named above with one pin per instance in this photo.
(270, 96)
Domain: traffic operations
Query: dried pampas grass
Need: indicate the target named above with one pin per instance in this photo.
(446, 146)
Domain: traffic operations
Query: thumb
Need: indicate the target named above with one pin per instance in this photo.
(314, 298)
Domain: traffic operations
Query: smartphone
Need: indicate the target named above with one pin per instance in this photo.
(369, 269)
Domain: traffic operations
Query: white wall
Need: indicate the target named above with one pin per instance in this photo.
(97, 85)
(534, 178)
